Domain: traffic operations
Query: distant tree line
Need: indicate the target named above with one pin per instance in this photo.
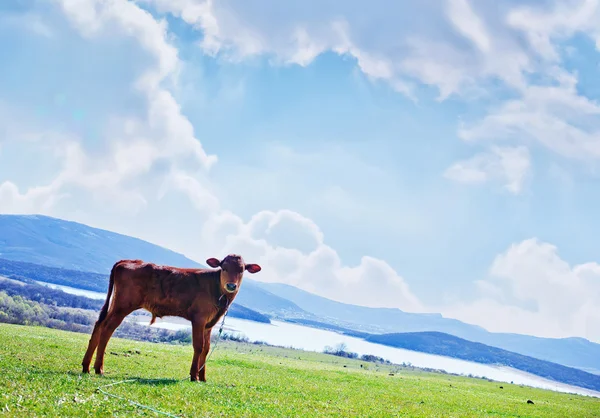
(17, 309)
(48, 296)
(239, 311)
(340, 350)
(29, 303)
(20, 270)
(328, 326)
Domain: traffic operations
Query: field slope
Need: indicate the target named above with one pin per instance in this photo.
(40, 377)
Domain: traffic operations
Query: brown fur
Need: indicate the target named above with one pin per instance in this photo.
(198, 295)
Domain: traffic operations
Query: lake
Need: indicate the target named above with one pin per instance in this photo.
(313, 339)
(80, 292)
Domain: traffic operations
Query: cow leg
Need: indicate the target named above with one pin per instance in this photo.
(198, 332)
(110, 324)
(93, 343)
(202, 360)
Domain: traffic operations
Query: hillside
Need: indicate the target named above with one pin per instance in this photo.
(58, 243)
(31, 240)
(41, 377)
(24, 271)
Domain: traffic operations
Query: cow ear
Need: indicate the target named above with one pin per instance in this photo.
(253, 268)
(213, 262)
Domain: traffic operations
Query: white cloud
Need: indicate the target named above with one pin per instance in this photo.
(318, 268)
(172, 132)
(199, 193)
(551, 111)
(413, 41)
(509, 165)
(543, 25)
(35, 200)
(457, 46)
(135, 146)
(469, 24)
(532, 290)
(286, 228)
(290, 246)
(553, 116)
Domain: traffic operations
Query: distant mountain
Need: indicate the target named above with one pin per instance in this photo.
(71, 245)
(254, 297)
(368, 319)
(24, 271)
(51, 242)
(573, 352)
(451, 346)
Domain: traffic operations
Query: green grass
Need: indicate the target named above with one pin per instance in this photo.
(40, 376)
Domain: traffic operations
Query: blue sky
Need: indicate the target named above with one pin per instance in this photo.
(435, 158)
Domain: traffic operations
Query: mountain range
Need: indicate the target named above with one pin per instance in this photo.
(89, 254)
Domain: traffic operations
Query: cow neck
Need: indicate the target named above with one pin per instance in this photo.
(222, 300)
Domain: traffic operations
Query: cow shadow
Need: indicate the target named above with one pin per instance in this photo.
(130, 379)
(157, 382)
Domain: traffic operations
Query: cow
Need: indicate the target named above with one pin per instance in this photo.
(201, 296)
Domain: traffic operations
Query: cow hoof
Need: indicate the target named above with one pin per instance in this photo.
(100, 372)
(86, 370)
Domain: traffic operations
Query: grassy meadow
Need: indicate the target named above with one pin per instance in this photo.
(40, 376)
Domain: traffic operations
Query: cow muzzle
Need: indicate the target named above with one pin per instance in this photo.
(231, 287)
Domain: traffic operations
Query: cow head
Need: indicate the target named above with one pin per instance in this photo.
(232, 270)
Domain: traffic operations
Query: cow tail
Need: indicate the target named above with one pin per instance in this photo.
(111, 284)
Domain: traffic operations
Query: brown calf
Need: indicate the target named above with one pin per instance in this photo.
(199, 295)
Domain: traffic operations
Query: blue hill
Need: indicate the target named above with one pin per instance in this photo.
(368, 319)
(573, 352)
(449, 345)
(71, 245)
